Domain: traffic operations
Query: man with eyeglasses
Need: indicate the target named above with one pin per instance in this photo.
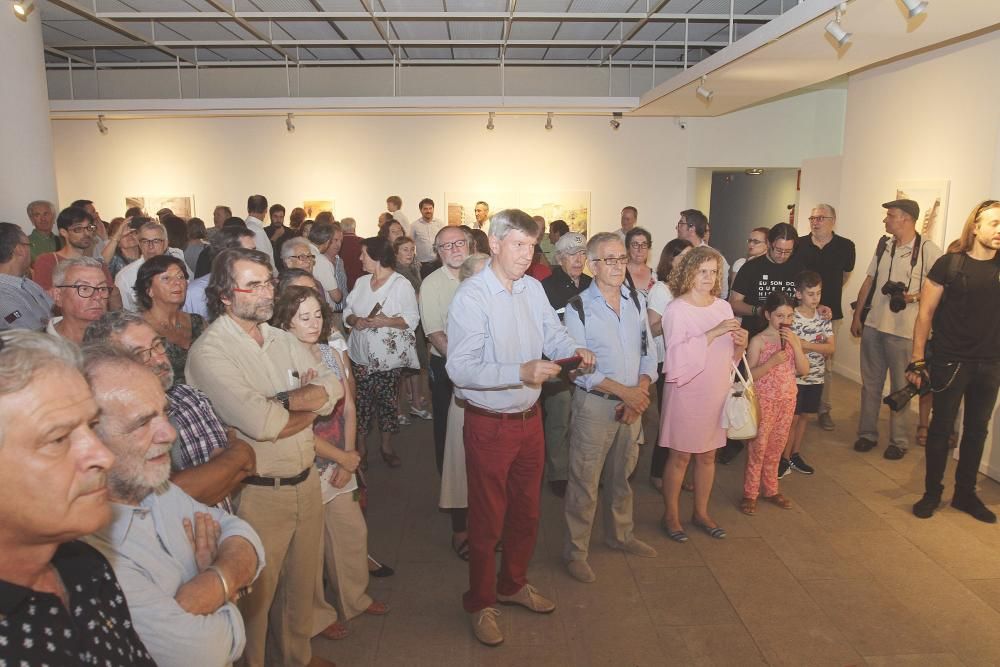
(832, 257)
(452, 245)
(693, 226)
(264, 383)
(207, 461)
(152, 238)
(81, 292)
(23, 303)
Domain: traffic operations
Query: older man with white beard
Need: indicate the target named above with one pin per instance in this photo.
(181, 564)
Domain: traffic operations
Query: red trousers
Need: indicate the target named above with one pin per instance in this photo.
(504, 460)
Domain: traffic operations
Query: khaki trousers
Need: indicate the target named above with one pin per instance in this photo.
(600, 448)
(278, 613)
(345, 535)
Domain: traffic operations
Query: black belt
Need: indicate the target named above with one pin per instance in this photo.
(278, 482)
(602, 394)
(475, 409)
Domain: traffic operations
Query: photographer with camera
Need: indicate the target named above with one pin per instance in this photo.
(960, 300)
(884, 317)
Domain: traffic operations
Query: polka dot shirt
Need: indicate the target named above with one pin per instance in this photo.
(36, 630)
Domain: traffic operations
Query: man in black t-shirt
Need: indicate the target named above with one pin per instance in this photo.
(832, 257)
(775, 270)
(960, 300)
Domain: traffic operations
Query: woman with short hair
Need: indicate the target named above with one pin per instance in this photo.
(160, 291)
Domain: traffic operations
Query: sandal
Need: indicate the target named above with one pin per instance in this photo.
(779, 500)
(461, 549)
(717, 532)
(377, 608)
(687, 486)
(335, 631)
(922, 436)
(391, 458)
(748, 506)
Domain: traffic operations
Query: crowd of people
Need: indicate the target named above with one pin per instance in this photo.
(185, 408)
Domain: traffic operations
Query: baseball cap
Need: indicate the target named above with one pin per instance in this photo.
(571, 243)
(907, 206)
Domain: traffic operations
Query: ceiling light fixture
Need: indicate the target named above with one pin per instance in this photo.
(703, 92)
(489, 123)
(23, 9)
(289, 125)
(756, 171)
(915, 7)
(616, 120)
(548, 121)
(834, 29)
(101, 127)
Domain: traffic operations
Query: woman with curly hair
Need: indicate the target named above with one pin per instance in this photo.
(702, 340)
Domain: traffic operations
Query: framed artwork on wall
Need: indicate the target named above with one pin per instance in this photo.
(314, 207)
(933, 199)
(571, 206)
(181, 205)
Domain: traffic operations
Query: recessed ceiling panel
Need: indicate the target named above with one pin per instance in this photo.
(533, 29)
(324, 53)
(303, 29)
(421, 29)
(475, 53)
(476, 29)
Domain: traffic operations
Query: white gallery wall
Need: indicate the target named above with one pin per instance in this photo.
(358, 160)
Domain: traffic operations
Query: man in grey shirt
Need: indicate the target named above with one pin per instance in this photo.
(23, 303)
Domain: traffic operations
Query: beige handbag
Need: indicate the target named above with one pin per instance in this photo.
(741, 413)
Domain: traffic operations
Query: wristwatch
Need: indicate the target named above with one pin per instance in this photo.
(282, 397)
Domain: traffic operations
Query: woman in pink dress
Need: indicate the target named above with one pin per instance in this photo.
(702, 339)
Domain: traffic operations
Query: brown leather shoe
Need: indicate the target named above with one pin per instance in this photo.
(530, 598)
(484, 626)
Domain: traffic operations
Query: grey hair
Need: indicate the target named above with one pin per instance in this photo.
(512, 219)
(64, 267)
(320, 233)
(153, 224)
(832, 210)
(472, 265)
(24, 353)
(599, 239)
(41, 202)
(348, 224)
(96, 355)
(109, 325)
(469, 242)
(288, 249)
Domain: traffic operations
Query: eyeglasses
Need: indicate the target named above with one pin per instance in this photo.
(683, 224)
(87, 291)
(817, 218)
(302, 258)
(754, 241)
(613, 261)
(638, 245)
(80, 229)
(149, 243)
(451, 244)
(256, 288)
(159, 347)
(779, 251)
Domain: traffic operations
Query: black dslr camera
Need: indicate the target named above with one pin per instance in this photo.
(898, 399)
(896, 291)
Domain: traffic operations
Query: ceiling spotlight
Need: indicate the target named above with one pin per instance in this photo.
(703, 92)
(548, 121)
(834, 29)
(101, 127)
(756, 171)
(915, 7)
(616, 120)
(489, 123)
(22, 9)
(289, 125)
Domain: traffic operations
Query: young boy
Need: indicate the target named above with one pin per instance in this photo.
(817, 342)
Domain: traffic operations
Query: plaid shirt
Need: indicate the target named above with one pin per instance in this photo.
(198, 427)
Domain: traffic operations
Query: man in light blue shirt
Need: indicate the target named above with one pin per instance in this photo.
(500, 324)
(181, 564)
(607, 408)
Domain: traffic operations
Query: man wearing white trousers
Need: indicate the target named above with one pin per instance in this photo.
(607, 408)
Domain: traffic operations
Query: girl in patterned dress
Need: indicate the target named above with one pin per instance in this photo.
(776, 358)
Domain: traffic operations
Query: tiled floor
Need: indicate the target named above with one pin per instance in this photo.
(848, 577)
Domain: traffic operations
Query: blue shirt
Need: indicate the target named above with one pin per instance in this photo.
(491, 332)
(195, 301)
(616, 339)
(152, 558)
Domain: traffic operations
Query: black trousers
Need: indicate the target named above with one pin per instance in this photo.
(977, 383)
(441, 389)
(660, 454)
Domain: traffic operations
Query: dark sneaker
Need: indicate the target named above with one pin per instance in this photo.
(894, 453)
(784, 467)
(971, 504)
(864, 445)
(726, 454)
(924, 508)
(798, 465)
(825, 421)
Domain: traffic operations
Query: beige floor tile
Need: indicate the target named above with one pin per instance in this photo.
(720, 645)
(987, 589)
(683, 596)
(920, 660)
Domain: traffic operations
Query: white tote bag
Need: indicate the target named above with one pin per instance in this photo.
(741, 413)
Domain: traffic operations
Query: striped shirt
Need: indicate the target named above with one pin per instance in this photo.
(23, 304)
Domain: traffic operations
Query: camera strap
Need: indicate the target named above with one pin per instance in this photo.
(917, 249)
